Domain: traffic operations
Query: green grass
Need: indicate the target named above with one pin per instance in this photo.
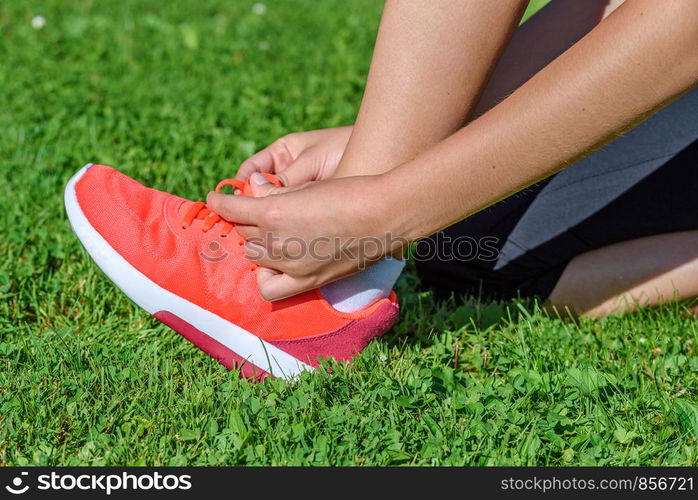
(176, 94)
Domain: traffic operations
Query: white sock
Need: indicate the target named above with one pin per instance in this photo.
(362, 289)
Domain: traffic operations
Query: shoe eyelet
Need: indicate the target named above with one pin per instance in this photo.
(224, 235)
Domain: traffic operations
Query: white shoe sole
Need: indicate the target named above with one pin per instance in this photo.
(155, 299)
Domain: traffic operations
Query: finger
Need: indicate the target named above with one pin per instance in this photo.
(256, 251)
(273, 285)
(305, 168)
(261, 161)
(262, 187)
(249, 233)
(238, 209)
(273, 157)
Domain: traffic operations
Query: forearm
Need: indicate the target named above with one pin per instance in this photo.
(430, 64)
(634, 62)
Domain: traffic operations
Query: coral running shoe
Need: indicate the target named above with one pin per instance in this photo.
(185, 265)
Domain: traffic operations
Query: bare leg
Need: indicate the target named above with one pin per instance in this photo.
(550, 32)
(430, 64)
(626, 276)
(398, 120)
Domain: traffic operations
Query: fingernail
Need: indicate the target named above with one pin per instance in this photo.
(259, 179)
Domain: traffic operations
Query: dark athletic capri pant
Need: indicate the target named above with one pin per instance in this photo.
(643, 183)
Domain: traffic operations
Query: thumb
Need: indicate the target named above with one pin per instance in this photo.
(274, 285)
(305, 168)
(261, 187)
(238, 209)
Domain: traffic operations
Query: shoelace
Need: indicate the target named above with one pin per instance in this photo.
(199, 211)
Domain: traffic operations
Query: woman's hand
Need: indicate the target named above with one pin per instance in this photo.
(309, 235)
(300, 157)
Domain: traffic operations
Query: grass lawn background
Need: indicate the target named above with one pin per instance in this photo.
(177, 94)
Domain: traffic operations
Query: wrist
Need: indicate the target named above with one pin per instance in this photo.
(393, 211)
